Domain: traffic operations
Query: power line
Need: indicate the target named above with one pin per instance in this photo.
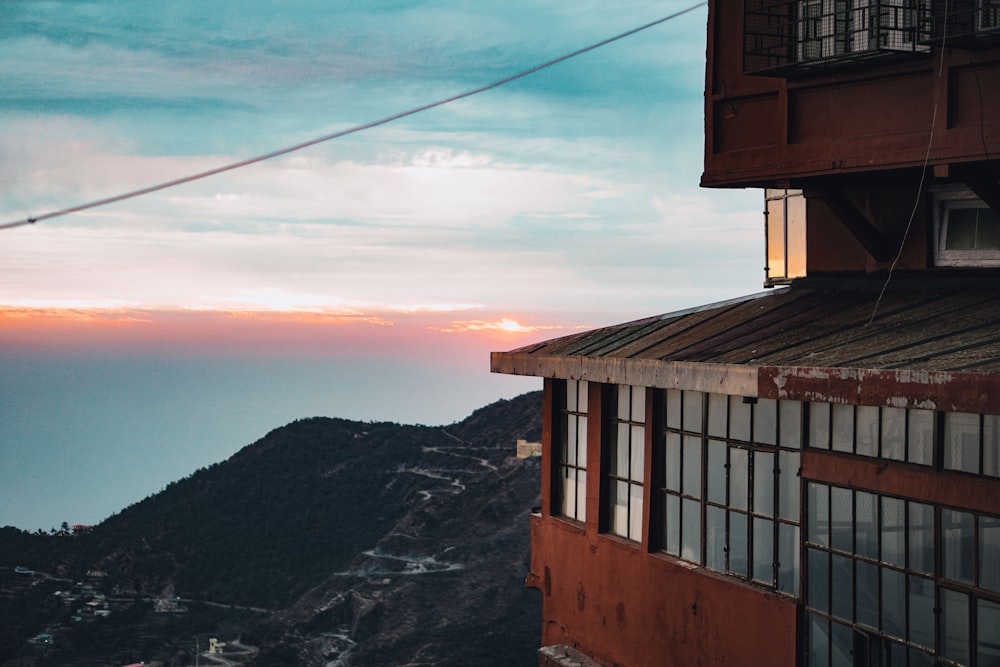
(336, 135)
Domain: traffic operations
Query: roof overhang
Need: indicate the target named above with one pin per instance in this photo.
(924, 348)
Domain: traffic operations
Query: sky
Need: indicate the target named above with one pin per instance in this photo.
(367, 277)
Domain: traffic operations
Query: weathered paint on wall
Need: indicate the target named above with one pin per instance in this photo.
(627, 607)
(762, 131)
(894, 478)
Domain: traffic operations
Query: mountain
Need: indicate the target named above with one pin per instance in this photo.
(326, 542)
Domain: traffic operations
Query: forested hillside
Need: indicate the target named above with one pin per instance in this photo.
(354, 541)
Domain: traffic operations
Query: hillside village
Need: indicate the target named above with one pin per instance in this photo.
(447, 509)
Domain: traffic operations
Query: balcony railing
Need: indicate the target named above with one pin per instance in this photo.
(965, 23)
(798, 37)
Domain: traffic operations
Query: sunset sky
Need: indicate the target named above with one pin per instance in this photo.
(367, 277)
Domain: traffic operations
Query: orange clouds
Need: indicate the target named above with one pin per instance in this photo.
(269, 333)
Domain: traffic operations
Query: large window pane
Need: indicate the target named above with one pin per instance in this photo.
(894, 603)
(955, 625)
(763, 550)
(568, 499)
(739, 472)
(581, 495)
(894, 433)
(637, 453)
(991, 445)
(693, 411)
(921, 608)
(619, 508)
(788, 558)
(956, 545)
(691, 485)
(841, 646)
(989, 553)
(763, 483)
(865, 525)
(842, 587)
(624, 402)
(717, 471)
(765, 421)
(893, 531)
(635, 512)
(818, 580)
(818, 516)
(738, 539)
(691, 531)
(673, 408)
(841, 519)
(672, 461)
(619, 462)
(843, 428)
(819, 425)
(819, 641)
(788, 485)
(715, 538)
(569, 447)
(921, 535)
(988, 633)
(739, 419)
(672, 519)
(638, 413)
(920, 437)
(790, 420)
(961, 441)
(867, 430)
(866, 594)
(718, 414)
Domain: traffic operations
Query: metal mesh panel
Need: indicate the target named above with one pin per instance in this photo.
(801, 36)
(964, 23)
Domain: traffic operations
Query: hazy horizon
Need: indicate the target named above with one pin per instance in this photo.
(366, 278)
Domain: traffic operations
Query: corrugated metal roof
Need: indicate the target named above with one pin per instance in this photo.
(935, 327)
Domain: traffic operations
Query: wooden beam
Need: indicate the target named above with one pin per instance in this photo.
(856, 222)
(986, 189)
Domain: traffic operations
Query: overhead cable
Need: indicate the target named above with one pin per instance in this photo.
(336, 135)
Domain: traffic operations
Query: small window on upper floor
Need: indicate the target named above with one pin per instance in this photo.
(967, 231)
(785, 237)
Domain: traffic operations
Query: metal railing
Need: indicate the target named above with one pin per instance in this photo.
(794, 37)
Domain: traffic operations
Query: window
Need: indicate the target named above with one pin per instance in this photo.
(966, 23)
(789, 37)
(785, 235)
(626, 462)
(967, 231)
(972, 443)
(728, 485)
(891, 581)
(968, 442)
(891, 433)
(571, 463)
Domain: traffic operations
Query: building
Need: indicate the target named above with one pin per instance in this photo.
(809, 476)
(527, 449)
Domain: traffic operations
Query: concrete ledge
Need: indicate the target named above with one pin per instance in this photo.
(564, 655)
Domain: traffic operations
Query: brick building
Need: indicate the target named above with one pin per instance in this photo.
(811, 475)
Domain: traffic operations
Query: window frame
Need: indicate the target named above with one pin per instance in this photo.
(728, 528)
(785, 226)
(904, 577)
(950, 198)
(624, 423)
(564, 467)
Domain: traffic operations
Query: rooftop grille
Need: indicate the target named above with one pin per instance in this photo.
(965, 23)
(798, 37)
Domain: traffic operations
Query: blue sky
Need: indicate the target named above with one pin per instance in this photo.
(563, 200)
